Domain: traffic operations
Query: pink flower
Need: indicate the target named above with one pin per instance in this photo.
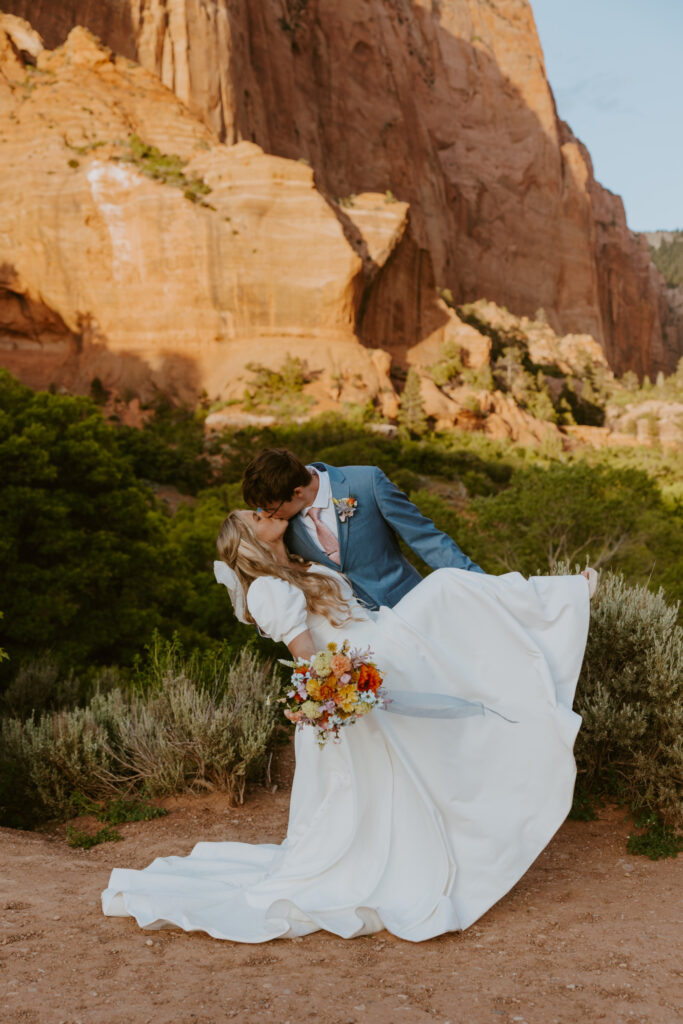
(340, 665)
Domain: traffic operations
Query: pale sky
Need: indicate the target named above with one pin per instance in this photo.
(616, 69)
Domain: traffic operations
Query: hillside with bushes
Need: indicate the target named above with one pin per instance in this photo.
(126, 671)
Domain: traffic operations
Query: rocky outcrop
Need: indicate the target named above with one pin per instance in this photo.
(138, 249)
(447, 106)
(639, 332)
(649, 422)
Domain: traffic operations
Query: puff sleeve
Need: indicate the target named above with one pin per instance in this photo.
(278, 607)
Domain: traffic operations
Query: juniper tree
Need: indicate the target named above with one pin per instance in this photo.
(411, 414)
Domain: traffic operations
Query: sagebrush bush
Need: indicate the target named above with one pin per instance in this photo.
(42, 684)
(630, 745)
(177, 732)
(206, 721)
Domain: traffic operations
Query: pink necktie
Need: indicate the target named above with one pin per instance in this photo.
(328, 541)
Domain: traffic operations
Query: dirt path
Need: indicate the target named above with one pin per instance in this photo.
(589, 934)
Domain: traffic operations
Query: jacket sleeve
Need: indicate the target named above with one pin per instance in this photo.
(437, 549)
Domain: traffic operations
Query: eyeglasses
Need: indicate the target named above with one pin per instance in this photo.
(267, 513)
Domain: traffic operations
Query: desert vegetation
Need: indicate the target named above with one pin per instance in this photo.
(180, 722)
(668, 258)
(127, 675)
(165, 167)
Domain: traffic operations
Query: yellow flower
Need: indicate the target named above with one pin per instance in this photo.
(346, 698)
(310, 709)
(321, 663)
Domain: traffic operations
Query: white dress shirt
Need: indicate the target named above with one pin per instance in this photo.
(323, 501)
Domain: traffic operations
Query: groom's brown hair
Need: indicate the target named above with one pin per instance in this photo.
(272, 476)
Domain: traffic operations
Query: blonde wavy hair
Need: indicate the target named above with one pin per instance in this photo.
(239, 547)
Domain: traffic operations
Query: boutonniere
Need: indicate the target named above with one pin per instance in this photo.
(346, 507)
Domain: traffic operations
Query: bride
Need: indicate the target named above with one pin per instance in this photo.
(416, 821)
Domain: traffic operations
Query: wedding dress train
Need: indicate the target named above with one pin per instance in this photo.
(412, 823)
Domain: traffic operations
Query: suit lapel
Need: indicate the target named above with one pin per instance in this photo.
(302, 543)
(339, 486)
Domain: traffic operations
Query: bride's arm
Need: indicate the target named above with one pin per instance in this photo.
(280, 610)
(302, 646)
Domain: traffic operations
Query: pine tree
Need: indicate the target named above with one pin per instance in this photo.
(411, 414)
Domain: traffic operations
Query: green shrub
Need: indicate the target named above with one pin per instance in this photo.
(181, 728)
(164, 167)
(85, 567)
(659, 840)
(170, 449)
(449, 364)
(630, 697)
(86, 840)
(562, 512)
(480, 380)
(411, 414)
(540, 405)
(119, 810)
(279, 392)
(44, 761)
(668, 258)
(3, 654)
(38, 685)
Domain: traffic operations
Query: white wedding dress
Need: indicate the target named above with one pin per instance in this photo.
(412, 823)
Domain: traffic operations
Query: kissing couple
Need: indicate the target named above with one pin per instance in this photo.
(425, 813)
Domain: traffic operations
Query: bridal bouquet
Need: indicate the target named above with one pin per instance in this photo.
(332, 689)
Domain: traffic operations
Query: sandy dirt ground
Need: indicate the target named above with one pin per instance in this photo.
(589, 934)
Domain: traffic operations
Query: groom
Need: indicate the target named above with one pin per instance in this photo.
(349, 519)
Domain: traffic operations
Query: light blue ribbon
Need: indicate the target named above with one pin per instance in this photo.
(435, 705)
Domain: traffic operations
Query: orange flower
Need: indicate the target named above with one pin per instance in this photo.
(369, 678)
(327, 690)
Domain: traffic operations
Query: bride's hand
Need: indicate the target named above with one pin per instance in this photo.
(302, 645)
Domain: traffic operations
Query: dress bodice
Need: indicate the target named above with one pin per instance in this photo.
(279, 608)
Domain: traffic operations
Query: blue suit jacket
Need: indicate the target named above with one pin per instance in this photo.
(368, 542)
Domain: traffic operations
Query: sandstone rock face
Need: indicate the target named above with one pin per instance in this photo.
(474, 346)
(650, 422)
(175, 282)
(445, 104)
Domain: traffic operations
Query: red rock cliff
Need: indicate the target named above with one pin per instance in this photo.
(445, 103)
